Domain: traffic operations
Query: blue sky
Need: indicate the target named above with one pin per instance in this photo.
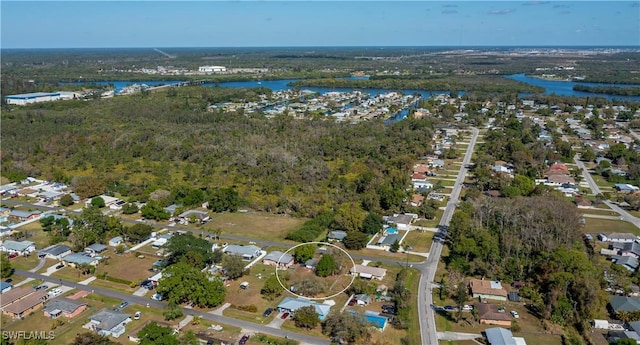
(93, 24)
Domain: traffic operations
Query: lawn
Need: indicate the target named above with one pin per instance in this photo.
(25, 262)
(430, 223)
(38, 236)
(128, 266)
(69, 273)
(600, 212)
(595, 225)
(254, 225)
(419, 240)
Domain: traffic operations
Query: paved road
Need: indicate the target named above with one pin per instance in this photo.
(428, 269)
(624, 215)
(143, 301)
(399, 261)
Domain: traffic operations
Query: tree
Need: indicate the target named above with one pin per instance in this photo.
(152, 334)
(98, 202)
(372, 223)
(271, 288)
(395, 246)
(130, 208)
(190, 249)
(348, 327)
(310, 286)
(224, 199)
(153, 210)
(217, 256)
(138, 232)
(183, 283)
(233, 266)
(189, 338)
(355, 240)
(92, 338)
(306, 317)
(66, 200)
(326, 266)
(172, 312)
(350, 217)
(303, 253)
(5, 266)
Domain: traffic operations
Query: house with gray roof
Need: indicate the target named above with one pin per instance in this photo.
(78, 259)
(108, 322)
(64, 307)
(95, 249)
(22, 216)
(116, 241)
(337, 235)
(629, 262)
(387, 241)
(290, 304)
(278, 259)
(18, 247)
(195, 214)
(402, 221)
(246, 252)
(624, 304)
(56, 251)
(499, 336)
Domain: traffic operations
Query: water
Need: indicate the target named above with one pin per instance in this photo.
(565, 88)
(119, 85)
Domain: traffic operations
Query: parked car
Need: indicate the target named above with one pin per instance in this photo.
(55, 292)
(244, 339)
(59, 266)
(157, 297)
(467, 307)
(267, 312)
(40, 287)
(136, 316)
(122, 305)
(284, 316)
(515, 314)
(449, 308)
(13, 255)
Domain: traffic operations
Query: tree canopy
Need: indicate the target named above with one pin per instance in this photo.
(182, 283)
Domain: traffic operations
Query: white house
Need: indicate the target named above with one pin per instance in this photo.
(116, 241)
(108, 322)
(21, 248)
(211, 69)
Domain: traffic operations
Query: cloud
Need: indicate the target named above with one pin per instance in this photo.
(561, 6)
(536, 3)
(503, 11)
(449, 12)
(450, 5)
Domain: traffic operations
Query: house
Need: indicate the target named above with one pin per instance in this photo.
(22, 248)
(171, 209)
(625, 188)
(195, 215)
(501, 336)
(116, 241)
(290, 304)
(156, 278)
(311, 263)
(368, 272)
(437, 163)
(161, 240)
(108, 322)
(416, 200)
(109, 201)
(64, 307)
(624, 304)
(56, 251)
(583, 203)
(79, 259)
(337, 235)
(402, 221)
(627, 248)
(246, 252)
(488, 314)
(363, 299)
(4, 287)
(22, 301)
(617, 237)
(487, 289)
(95, 249)
(388, 240)
(23, 216)
(629, 262)
(278, 259)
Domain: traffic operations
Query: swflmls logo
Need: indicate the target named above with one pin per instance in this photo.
(12, 335)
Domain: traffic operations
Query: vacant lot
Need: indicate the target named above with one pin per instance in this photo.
(595, 225)
(419, 240)
(254, 225)
(127, 266)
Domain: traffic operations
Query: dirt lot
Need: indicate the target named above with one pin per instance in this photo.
(127, 266)
(255, 225)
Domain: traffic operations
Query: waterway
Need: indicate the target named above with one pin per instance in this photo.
(565, 88)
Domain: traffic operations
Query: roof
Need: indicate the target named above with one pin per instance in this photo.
(63, 304)
(499, 336)
(19, 306)
(55, 250)
(97, 247)
(363, 297)
(108, 319)
(196, 213)
(490, 312)
(279, 257)
(116, 239)
(624, 303)
(487, 287)
(375, 271)
(389, 239)
(622, 236)
(15, 294)
(23, 214)
(4, 285)
(33, 95)
(294, 304)
(79, 258)
(338, 235)
(17, 246)
(401, 219)
(235, 249)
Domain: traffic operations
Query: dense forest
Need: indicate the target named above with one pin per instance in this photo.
(609, 90)
(134, 145)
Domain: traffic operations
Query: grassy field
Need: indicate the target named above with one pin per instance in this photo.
(600, 212)
(236, 296)
(25, 262)
(419, 240)
(254, 225)
(127, 266)
(595, 225)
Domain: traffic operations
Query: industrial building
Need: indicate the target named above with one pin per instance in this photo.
(212, 69)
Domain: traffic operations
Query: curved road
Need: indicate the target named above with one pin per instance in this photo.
(143, 301)
(428, 269)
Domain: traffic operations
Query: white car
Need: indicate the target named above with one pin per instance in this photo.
(54, 292)
(515, 314)
(467, 307)
(136, 316)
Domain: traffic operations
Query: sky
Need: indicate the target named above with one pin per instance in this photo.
(157, 24)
